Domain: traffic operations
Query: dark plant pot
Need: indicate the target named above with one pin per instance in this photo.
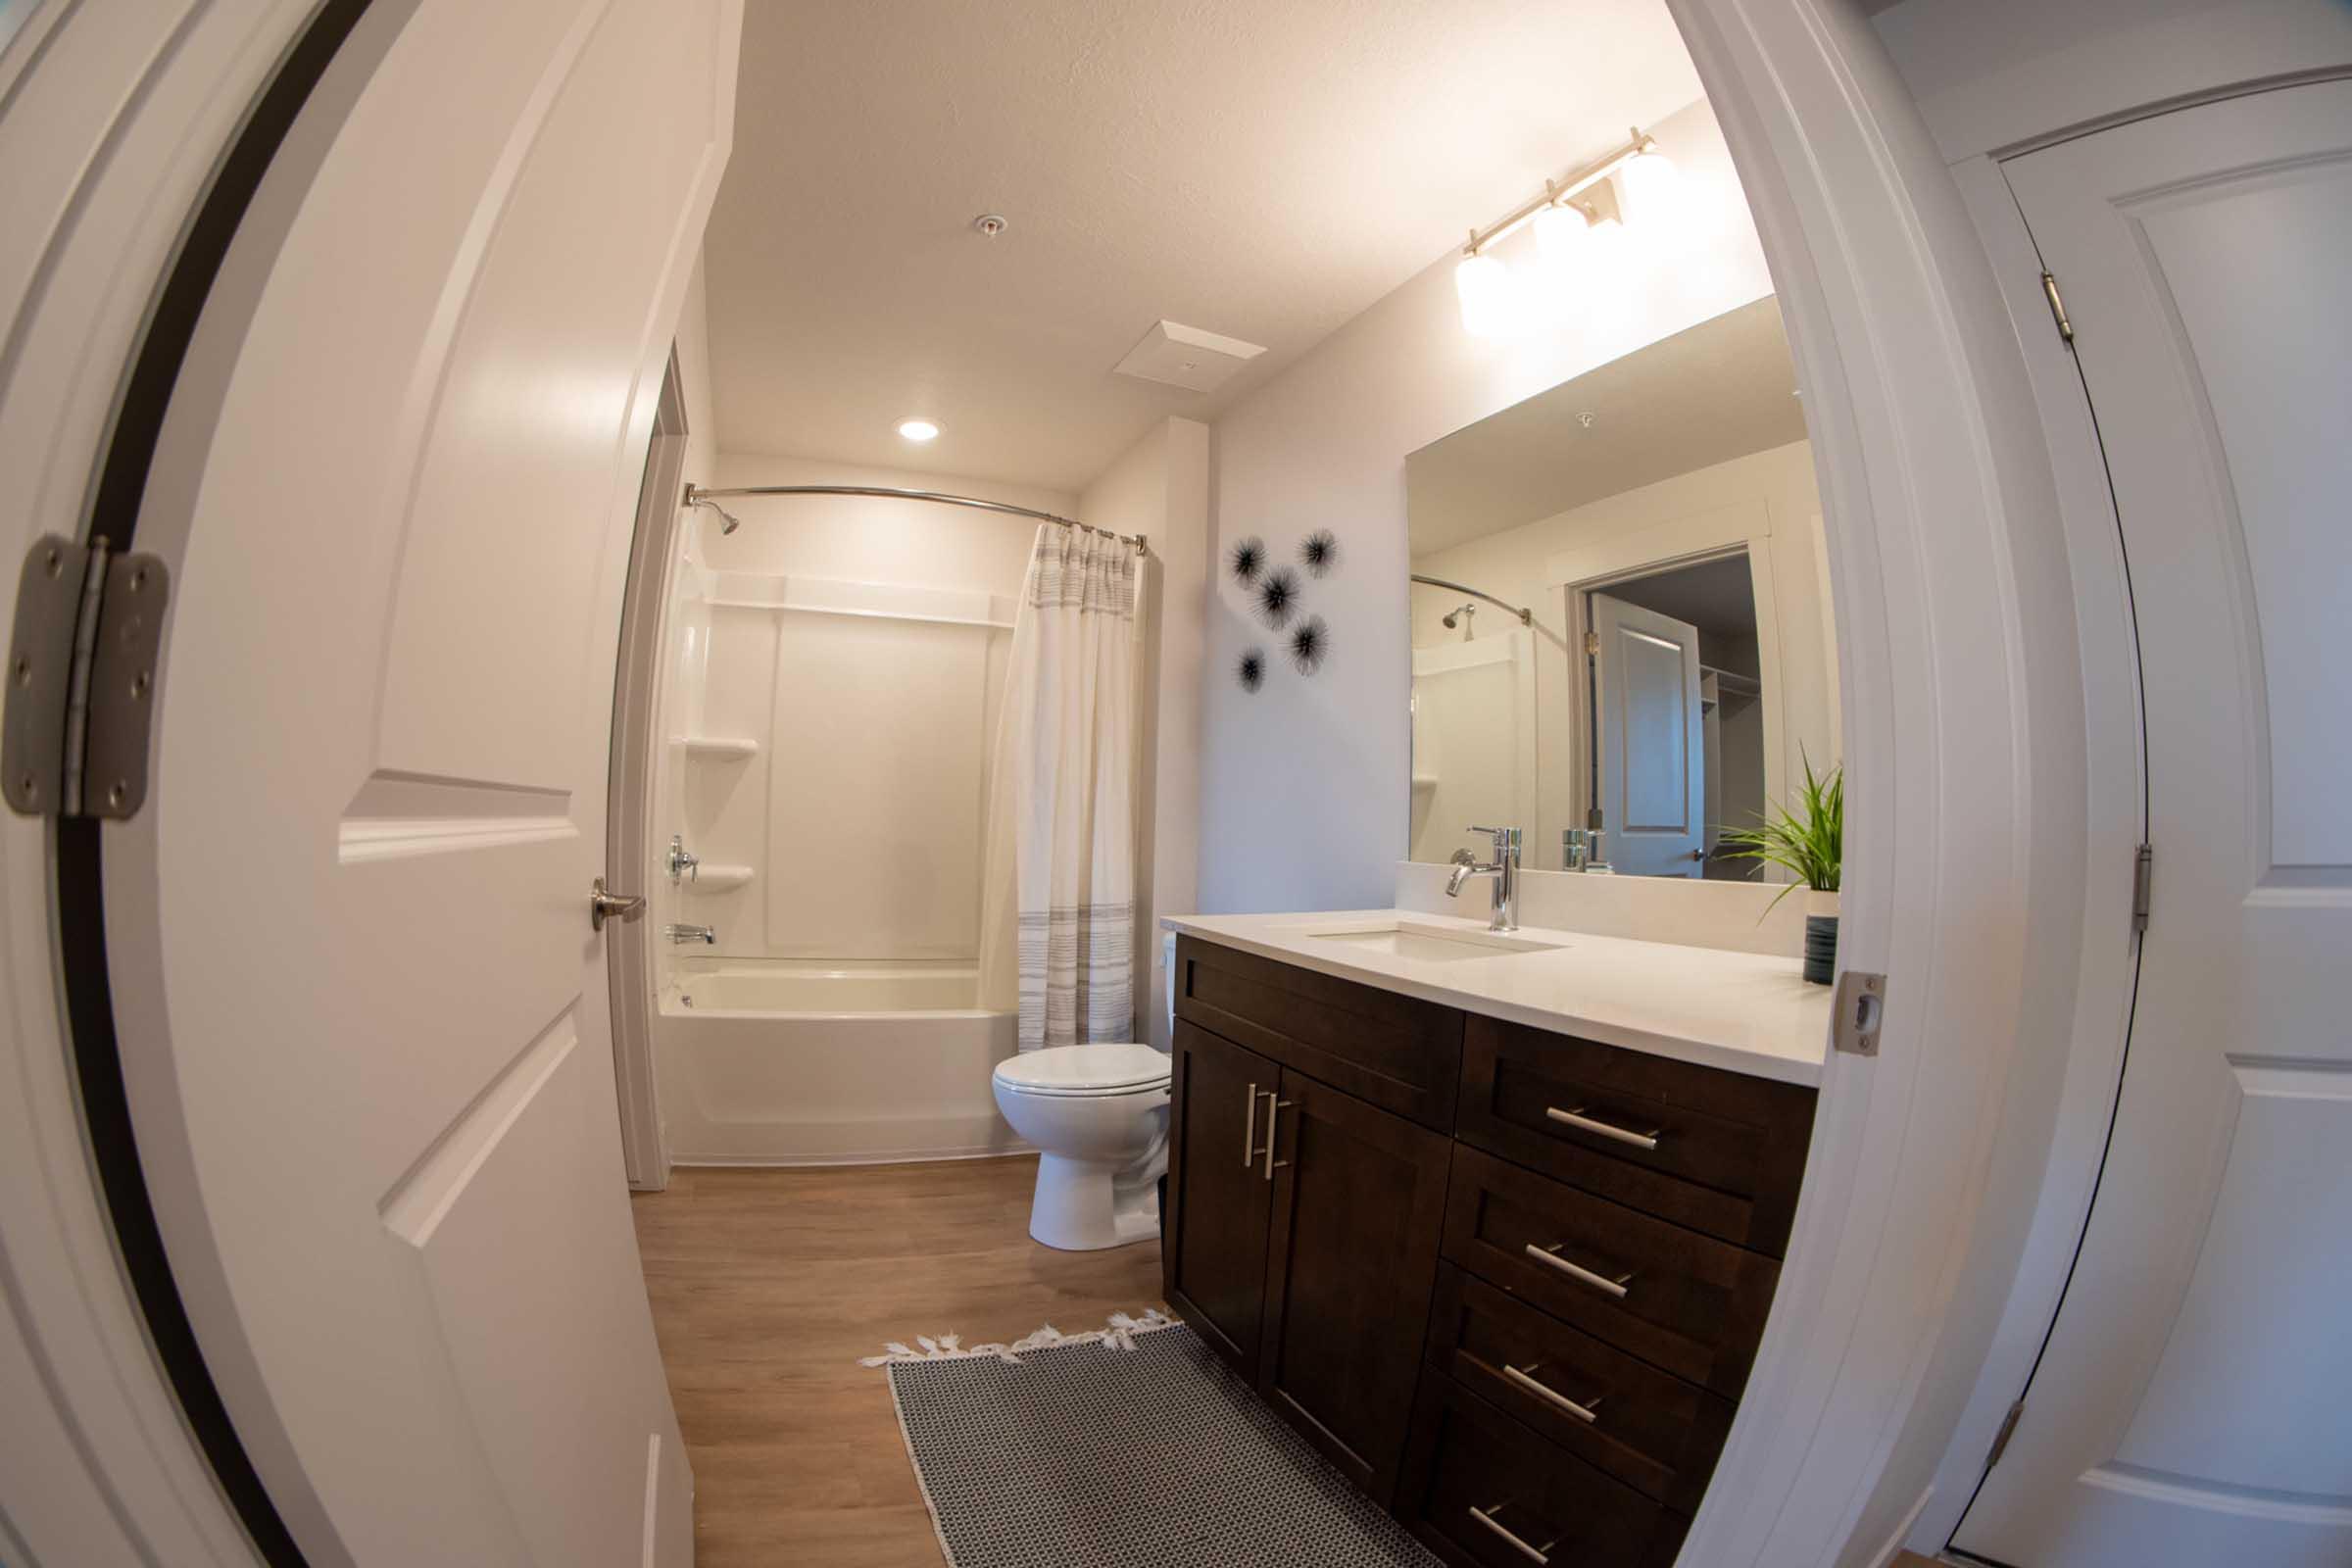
(1821, 949)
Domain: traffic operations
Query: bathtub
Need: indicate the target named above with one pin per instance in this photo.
(801, 1062)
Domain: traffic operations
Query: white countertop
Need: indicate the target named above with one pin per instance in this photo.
(1743, 1011)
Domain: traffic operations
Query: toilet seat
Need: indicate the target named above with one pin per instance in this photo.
(1085, 1071)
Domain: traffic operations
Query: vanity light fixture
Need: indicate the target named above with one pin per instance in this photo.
(1578, 244)
(918, 429)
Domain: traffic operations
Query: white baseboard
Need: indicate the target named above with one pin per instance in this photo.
(1902, 1532)
(830, 1161)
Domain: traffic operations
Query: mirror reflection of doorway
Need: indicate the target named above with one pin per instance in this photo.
(1675, 747)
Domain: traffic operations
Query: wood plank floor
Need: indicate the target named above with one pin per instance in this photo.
(768, 1284)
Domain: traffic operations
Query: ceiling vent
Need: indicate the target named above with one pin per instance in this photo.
(1186, 356)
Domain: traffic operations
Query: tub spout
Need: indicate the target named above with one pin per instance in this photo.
(690, 933)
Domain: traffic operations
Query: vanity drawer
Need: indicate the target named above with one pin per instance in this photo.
(1656, 1433)
(1719, 1151)
(1400, 1053)
(1484, 1490)
(1679, 1301)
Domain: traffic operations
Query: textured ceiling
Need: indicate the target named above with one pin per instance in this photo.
(1265, 171)
(1721, 390)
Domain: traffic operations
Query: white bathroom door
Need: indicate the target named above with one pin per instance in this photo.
(363, 1014)
(1653, 766)
(2193, 1405)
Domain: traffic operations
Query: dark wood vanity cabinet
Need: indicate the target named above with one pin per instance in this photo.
(1510, 1281)
(1302, 1228)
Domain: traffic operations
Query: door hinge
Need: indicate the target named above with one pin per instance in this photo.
(81, 668)
(2000, 1438)
(1861, 1008)
(2066, 328)
(1593, 645)
(2144, 887)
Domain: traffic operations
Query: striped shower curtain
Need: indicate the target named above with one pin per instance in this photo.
(1057, 923)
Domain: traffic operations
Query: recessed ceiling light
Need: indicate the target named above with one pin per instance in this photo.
(917, 429)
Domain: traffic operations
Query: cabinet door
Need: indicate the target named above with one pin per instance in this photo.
(1213, 1255)
(1359, 1202)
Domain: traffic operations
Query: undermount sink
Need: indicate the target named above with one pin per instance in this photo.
(1433, 944)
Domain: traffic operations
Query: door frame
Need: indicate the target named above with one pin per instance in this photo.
(1937, 488)
(631, 792)
(182, 112)
(1744, 529)
(1962, 697)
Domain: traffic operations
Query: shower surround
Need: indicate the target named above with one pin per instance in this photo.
(836, 667)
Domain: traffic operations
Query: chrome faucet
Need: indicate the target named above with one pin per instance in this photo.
(1579, 850)
(1504, 915)
(690, 933)
(681, 861)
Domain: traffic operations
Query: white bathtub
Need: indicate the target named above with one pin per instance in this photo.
(794, 1062)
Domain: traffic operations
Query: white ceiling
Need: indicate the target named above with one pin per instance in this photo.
(1721, 390)
(1265, 171)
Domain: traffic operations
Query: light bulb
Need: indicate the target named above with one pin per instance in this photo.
(918, 429)
(1560, 233)
(1490, 308)
(1650, 189)
(1607, 262)
(1562, 246)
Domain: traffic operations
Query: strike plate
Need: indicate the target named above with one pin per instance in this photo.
(1861, 1008)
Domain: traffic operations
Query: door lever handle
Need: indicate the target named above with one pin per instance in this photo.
(604, 906)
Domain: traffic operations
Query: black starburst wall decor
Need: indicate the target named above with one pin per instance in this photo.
(1310, 644)
(1278, 597)
(1320, 552)
(1252, 670)
(1246, 558)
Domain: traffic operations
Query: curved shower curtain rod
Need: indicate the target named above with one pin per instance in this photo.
(698, 496)
(1527, 618)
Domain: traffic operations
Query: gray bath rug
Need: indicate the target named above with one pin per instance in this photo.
(1133, 1446)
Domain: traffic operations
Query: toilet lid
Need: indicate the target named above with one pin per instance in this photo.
(1096, 1069)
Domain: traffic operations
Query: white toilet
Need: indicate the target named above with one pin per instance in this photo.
(1099, 1114)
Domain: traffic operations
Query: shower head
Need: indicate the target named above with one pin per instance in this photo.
(1454, 617)
(728, 522)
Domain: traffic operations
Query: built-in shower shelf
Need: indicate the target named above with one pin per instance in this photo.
(720, 748)
(718, 879)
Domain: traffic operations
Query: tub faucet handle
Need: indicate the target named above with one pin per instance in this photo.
(682, 860)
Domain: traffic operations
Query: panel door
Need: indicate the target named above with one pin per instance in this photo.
(365, 1019)
(2191, 1405)
(1649, 741)
(1213, 1255)
(1360, 1203)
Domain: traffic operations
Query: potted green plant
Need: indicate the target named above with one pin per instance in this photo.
(1810, 843)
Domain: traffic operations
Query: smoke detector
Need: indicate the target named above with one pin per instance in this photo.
(1176, 354)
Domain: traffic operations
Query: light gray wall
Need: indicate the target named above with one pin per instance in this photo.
(1302, 784)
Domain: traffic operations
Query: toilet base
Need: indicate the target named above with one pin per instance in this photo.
(1085, 1205)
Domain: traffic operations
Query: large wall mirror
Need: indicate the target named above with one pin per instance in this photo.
(1620, 611)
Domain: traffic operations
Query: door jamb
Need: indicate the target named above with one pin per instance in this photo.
(632, 792)
(1961, 685)
(1743, 529)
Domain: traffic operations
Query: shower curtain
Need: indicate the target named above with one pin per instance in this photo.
(1057, 920)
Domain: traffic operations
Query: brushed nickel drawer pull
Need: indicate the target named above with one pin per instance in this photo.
(1486, 1516)
(1549, 1257)
(1249, 1130)
(1525, 1377)
(1275, 1107)
(1624, 1135)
